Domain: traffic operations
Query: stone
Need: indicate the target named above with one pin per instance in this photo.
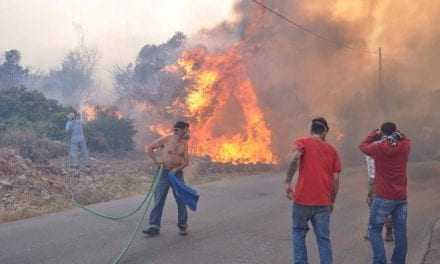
(7, 185)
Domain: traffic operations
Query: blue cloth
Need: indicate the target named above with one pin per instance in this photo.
(160, 196)
(319, 216)
(380, 210)
(184, 193)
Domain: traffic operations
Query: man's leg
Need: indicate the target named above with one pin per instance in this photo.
(160, 196)
(299, 232)
(367, 237)
(370, 196)
(84, 152)
(400, 214)
(182, 213)
(380, 209)
(74, 154)
(389, 229)
(321, 226)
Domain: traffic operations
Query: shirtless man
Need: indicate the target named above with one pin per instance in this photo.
(174, 159)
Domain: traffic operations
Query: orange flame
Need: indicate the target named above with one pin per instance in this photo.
(160, 129)
(90, 112)
(229, 124)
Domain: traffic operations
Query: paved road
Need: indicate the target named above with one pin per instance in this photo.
(241, 220)
(433, 254)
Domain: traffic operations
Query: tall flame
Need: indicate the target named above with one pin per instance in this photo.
(219, 91)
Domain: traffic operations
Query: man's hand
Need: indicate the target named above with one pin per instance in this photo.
(157, 162)
(369, 200)
(288, 190)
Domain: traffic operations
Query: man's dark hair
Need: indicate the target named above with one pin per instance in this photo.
(388, 128)
(319, 125)
(181, 125)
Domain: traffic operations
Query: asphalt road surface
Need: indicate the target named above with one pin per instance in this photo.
(240, 220)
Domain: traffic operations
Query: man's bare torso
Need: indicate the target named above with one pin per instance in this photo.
(173, 151)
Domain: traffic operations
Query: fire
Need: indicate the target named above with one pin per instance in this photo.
(170, 69)
(228, 125)
(90, 112)
(201, 95)
(160, 129)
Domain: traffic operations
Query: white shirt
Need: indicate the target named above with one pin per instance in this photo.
(370, 167)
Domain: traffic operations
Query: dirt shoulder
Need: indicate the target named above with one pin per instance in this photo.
(29, 189)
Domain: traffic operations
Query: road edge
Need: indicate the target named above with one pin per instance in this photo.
(434, 232)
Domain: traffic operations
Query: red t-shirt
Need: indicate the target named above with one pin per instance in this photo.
(319, 161)
(390, 161)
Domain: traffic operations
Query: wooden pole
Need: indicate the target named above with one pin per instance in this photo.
(380, 82)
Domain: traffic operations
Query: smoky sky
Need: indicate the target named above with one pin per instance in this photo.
(45, 30)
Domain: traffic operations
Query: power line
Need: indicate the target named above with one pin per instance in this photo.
(303, 28)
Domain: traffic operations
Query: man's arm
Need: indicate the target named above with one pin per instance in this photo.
(367, 146)
(159, 143)
(293, 167)
(68, 126)
(335, 186)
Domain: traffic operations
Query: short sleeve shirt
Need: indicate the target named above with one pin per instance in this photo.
(318, 164)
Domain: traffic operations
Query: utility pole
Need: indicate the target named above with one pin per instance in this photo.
(380, 83)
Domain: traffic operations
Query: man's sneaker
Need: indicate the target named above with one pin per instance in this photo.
(152, 231)
(389, 235)
(182, 230)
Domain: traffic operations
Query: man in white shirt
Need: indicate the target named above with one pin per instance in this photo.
(78, 147)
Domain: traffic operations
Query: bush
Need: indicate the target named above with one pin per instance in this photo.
(31, 110)
(109, 132)
(32, 146)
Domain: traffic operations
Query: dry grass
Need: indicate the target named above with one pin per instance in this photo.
(24, 213)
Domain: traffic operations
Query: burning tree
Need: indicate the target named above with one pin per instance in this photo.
(147, 80)
(228, 124)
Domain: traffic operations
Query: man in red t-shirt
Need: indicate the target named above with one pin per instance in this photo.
(315, 191)
(391, 158)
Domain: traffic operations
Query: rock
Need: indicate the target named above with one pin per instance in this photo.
(7, 185)
(21, 180)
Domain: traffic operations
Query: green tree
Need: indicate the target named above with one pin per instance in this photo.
(110, 132)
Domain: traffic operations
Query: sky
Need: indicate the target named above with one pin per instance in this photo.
(45, 30)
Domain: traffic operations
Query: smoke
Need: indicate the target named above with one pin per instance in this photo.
(330, 70)
(299, 75)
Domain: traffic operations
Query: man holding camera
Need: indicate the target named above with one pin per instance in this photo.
(391, 158)
(78, 146)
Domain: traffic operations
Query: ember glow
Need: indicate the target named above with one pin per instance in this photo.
(228, 125)
(89, 112)
(161, 129)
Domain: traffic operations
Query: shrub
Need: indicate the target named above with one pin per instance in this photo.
(109, 132)
(31, 110)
